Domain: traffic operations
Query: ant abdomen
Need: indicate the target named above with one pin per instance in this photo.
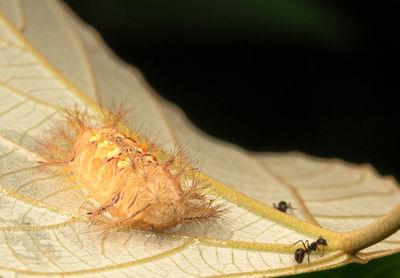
(299, 255)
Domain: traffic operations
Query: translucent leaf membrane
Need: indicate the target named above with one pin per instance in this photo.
(50, 60)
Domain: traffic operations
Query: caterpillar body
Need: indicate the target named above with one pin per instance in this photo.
(125, 178)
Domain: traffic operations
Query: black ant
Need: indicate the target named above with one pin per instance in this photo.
(283, 206)
(300, 252)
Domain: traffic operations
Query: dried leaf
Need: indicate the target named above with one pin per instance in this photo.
(50, 60)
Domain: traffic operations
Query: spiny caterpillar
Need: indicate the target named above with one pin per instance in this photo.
(124, 177)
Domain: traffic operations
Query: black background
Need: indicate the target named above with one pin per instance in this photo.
(320, 78)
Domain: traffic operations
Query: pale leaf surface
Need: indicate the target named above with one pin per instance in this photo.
(49, 60)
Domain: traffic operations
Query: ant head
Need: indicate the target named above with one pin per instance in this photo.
(322, 241)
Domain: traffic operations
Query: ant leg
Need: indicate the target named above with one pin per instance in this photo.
(275, 206)
(308, 251)
(297, 242)
(308, 244)
(323, 250)
(302, 242)
(290, 207)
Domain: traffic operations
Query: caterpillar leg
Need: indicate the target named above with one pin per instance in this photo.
(118, 224)
(106, 206)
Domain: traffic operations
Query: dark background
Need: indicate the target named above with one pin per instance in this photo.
(312, 76)
(320, 77)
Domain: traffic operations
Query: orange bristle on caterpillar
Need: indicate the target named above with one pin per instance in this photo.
(128, 181)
